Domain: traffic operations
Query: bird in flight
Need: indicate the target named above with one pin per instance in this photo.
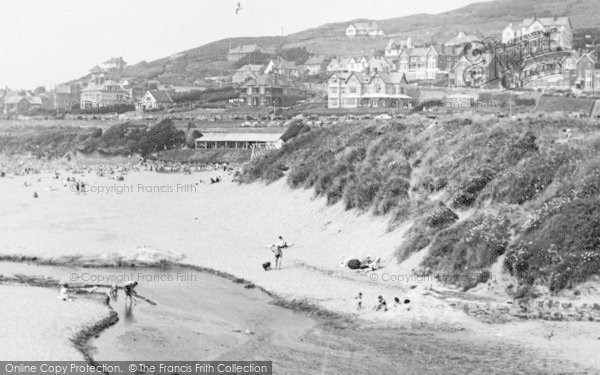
(239, 7)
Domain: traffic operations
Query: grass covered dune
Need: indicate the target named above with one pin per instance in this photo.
(472, 190)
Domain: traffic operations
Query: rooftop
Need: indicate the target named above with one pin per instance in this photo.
(240, 137)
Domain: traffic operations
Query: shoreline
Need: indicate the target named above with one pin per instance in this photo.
(326, 320)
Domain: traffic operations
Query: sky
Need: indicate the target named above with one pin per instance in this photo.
(46, 42)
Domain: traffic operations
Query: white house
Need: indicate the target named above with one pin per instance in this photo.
(154, 99)
(563, 37)
(353, 90)
(394, 48)
(114, 64)
(364, 29)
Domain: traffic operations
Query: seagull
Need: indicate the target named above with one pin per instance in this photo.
(239, 7)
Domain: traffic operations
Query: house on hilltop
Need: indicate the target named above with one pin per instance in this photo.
(241, 51)
(563, 37)
(364, 29)
(114, 64)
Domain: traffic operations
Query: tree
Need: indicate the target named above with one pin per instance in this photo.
(39, 90)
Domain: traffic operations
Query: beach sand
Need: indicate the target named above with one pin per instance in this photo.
(226, 227)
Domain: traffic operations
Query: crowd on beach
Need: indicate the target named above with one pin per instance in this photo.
(76, 174)
(382, 305)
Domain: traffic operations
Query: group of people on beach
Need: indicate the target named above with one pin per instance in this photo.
(111, 293)
(381, 304)
(128, 288)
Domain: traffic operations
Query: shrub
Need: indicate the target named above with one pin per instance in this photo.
(422, 232)
(563, 249)
(471, 246)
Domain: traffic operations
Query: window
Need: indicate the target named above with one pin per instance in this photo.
(352, 89)
(334, 90)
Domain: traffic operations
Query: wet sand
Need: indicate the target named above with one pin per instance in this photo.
(193, 320)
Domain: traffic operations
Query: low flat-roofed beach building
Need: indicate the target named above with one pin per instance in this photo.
(239, 140)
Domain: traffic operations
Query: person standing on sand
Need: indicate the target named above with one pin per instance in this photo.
(277, 250)
(129, 292)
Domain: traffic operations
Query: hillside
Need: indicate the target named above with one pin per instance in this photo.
(487, 19)
(470, 190)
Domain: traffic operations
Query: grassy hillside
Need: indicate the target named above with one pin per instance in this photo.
(519, 187)
(487, 19)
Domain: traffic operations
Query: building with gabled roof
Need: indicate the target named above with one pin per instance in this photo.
(338, 64)
(461, 39)
(246, 72)
(114, 64)
(369, 28)
(353, 90)
(282, 67)
(101, 92)
(419, 63)
(316, 64)
(272, 90)
(563, 36)
(21, 104)
(154, 99)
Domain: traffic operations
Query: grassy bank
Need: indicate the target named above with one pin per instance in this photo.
(522, 187)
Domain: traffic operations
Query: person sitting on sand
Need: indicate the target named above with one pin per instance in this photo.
(266, 266)
(381, 304)
(129, 292)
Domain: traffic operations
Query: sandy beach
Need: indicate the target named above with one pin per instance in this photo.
(150, 217)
